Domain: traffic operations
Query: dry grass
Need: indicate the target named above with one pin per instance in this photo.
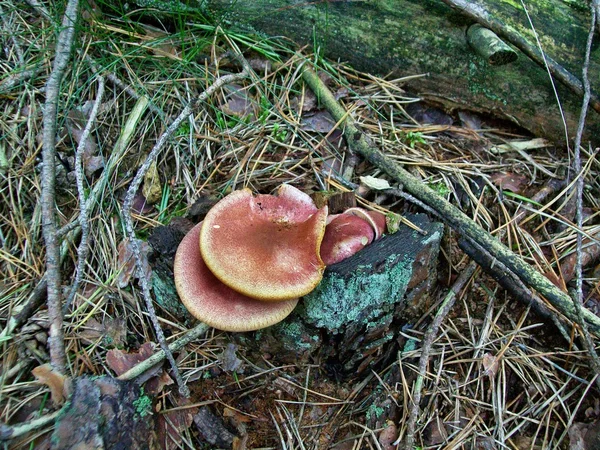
(539, 384)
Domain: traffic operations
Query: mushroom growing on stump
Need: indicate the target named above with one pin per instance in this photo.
(350, 232)
(214, 303)
(265, 246)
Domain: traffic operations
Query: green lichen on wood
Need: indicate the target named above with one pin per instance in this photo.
(365, 297)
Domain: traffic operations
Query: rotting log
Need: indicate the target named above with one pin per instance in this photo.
(361, 304)
(405, 37)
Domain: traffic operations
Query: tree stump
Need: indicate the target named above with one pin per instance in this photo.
(360, 305)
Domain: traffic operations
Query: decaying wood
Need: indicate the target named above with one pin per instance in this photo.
(361, 304)
(104, 412)
(405, 38)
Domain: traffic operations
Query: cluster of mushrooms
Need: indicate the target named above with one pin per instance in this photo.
(246, 265)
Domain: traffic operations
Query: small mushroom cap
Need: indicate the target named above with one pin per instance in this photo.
(375, 218)
(265, 246)
(215, 304)
(344, 236)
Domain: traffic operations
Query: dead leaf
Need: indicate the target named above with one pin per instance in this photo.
(155, 385)
(238, 103)
(229, 360)
(490, 365)
(435, 433)
(152, 189)
(426, 114)
(509, 181)
(54, 380)
(376, 184)
(388, 435)
(112, 331)
(321, 122)
(120, 361)
(584, 436)
(172, 424)
(75, 124)
(126, 262)
(470, 120)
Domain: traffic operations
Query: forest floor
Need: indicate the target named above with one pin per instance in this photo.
(498, 374)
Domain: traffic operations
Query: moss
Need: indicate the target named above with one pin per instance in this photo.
(298, 334)
(365, 297)
(143, 405)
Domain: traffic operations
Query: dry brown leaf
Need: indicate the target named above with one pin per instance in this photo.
(120, 361)
(584, 436)
(238, 103)
(509, 181)
(112, 331)
(152, 189)
(54, 380)
(321, 122)
(490, 365)
(126, 262)
(75, 124)
(388, 435)
(172, 424)
(155, 385)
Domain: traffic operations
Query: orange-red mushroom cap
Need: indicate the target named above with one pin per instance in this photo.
(214, 303)
(265, 246)
(345, 235)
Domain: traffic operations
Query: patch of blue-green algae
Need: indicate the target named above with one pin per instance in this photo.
(364, 297)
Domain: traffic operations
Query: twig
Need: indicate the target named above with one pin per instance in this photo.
(150, 362)
(514, 286)
(48, 180)
(8, 432)
(477, 13)
(96, 68)
(83, 249)
(71, 231)
(133, 189)
(428, 340)
(578, 298)
(451, 214)
(13, 38)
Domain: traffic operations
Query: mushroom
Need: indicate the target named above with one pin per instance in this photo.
(350, 232)
(265, 246)
(375, 218)
(345, 235)
(214, 303)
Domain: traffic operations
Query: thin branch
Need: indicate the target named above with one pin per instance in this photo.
(452, 215)
(578, 300)
(71, 232)
(127, 218)
(150, 362)
(428, 340)
(8, 432)
(63, 53)
(83, 248)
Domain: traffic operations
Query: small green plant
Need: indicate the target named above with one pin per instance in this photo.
(278, 133)
(440, 188)
(414, 137)
(143, 404)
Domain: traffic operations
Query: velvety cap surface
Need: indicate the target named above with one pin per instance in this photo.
(210, 301)
(265, 246)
